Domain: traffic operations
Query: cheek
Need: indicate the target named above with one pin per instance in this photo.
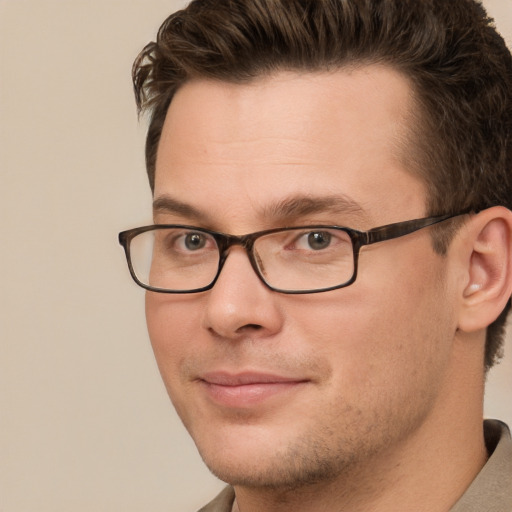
(387, 328)
(172, 325)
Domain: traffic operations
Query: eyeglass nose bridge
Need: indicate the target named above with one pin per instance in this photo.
(225, 242)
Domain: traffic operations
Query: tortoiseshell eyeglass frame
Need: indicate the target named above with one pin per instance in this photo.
(225, 241)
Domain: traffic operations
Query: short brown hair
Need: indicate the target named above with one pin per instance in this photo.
(459, 67)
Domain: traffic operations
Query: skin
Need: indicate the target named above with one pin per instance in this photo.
(371, 415)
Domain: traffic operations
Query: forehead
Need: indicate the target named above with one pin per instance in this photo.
(316, 134)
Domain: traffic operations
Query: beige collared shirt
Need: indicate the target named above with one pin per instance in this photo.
(491, 490)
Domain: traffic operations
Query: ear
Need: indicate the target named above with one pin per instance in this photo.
(488, 273)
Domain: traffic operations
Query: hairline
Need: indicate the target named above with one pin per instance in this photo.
(409, 148)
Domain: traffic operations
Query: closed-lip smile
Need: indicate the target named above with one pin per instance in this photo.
(245, 389)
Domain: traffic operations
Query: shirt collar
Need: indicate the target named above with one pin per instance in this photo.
(491, 490)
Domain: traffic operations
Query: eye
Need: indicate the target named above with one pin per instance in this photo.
(315, 240)
(194, 241)
(184, 242)
(319, 240)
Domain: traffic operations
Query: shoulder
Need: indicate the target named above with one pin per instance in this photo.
(222, 503)
(491, 489)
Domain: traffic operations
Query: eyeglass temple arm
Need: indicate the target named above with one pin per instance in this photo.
(395, 230)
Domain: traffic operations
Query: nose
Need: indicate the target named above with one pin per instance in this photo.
(240, 305)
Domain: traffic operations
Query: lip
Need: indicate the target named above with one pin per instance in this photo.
(247, 389)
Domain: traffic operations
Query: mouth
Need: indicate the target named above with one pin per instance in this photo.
(247, 389)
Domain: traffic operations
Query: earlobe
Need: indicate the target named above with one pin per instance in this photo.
(489, 268)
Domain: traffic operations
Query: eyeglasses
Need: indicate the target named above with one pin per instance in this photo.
(171, 258)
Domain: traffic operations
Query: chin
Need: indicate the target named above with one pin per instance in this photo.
(274, 464)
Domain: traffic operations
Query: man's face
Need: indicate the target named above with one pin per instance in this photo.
(282, 389)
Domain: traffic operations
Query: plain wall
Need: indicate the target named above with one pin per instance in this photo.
(85, 423)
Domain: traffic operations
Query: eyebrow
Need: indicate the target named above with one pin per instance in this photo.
(279, 212)
(303, 205)
(167, 204)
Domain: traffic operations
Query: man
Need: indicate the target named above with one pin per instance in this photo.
(330, 268)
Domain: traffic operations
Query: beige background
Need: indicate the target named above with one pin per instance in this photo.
(85, 424)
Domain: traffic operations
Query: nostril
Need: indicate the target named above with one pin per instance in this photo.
(254, 327)
(239, 333)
